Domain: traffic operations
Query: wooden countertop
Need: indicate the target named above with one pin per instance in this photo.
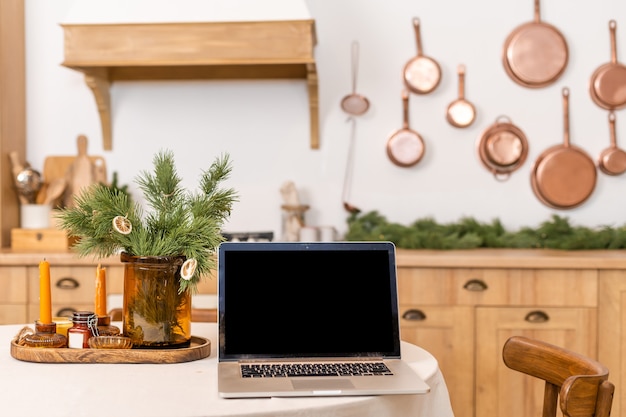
(472, 258)
(9, 257)
(512, 258)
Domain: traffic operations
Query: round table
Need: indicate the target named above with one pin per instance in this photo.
(186, 389)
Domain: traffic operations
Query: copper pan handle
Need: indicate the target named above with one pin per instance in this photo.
(405, 109)
(461, 72)
(418, 38)
(537, 12)
(566, 116)
(613, 29)
(612, 129)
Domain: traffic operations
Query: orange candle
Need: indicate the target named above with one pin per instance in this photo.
(101, 292)
(45, 302)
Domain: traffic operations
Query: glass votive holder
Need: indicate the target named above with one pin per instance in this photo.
(45, 336)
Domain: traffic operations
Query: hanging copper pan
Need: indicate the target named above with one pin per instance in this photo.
(461, 113)
(564, 176)
(535, 54)
(422, 74)
(608, 83)
(612, 160)
(405, 147)
(502, 148)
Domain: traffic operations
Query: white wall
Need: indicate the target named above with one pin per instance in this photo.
(264, 125)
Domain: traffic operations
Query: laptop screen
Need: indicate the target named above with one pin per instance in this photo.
(290, 300)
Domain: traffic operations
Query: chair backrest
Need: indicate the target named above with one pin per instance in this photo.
(578, 384)
(207, 315)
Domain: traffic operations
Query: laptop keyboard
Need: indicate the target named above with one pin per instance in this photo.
(314, 369)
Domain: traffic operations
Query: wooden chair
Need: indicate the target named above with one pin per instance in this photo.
(207, 315)
(579, 383)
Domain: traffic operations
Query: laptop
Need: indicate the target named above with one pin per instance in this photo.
(310, 319)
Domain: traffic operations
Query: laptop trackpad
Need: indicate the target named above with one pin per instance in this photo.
(318, 384)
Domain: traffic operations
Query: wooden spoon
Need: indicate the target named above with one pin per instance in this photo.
(54, 191)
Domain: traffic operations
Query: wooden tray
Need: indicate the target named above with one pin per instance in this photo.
(200, 348)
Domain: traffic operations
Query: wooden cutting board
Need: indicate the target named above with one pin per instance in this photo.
(75, 169)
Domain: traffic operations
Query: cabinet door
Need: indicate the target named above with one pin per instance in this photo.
(447, 333)
(612, 333)
(13, 295)
(501, 391)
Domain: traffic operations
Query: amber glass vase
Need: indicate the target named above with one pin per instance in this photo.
(156, 315)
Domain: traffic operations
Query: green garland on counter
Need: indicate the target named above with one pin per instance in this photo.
(556, 233)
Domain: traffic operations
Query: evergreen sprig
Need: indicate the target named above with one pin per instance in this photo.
(176, 223)
(467, 233)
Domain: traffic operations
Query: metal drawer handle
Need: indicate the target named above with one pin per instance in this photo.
(475, 285)
(67, 283)
(537, 317)
(414, 315)
(66, 312)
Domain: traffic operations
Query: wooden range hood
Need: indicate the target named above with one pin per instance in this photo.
(196, 50)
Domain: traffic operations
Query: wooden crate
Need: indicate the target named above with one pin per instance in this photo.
(40, 240)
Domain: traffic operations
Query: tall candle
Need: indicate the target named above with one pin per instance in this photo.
(45, 302)
(101, 292)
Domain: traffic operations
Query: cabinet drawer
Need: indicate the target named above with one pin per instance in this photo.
(511, 287)
(59, 310)
(69, 284)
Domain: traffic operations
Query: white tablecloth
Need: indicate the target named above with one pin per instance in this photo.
(185, 389)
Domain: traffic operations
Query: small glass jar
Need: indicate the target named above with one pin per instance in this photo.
(105, 328)
(85, 326)
(45, 336)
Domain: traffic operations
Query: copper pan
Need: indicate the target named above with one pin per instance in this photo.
(502, 148)
(405, 147)
(422, 74)
(607, 86)
(564, 176)
(612, 160)
(535, 54)
(461, 113)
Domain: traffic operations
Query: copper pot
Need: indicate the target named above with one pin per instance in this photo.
(607, 86)
(405, 147)
(502, 148)
(564, 176)
(461, 113)
(535, 54)
(612, 160)
(422, 74)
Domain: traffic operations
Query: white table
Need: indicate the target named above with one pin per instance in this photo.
(185, 389)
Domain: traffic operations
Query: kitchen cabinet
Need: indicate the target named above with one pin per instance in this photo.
(190, 50)
(72, 282)
(12, 110)
(463, 305)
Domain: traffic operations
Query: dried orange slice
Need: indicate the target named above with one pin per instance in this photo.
(122, 225)
(188, 269)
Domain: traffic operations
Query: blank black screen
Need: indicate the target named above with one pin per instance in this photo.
(313, 299)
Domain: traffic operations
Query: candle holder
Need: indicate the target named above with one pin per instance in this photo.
(45, 336)
(105, 328)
